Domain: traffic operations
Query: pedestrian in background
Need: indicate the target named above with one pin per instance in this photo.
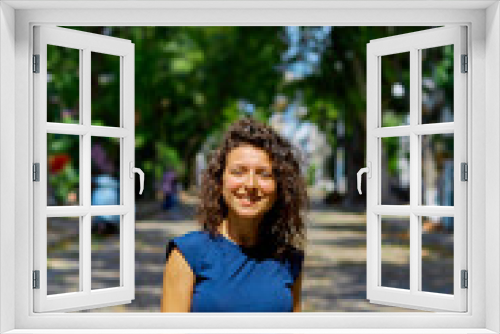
(169, 187)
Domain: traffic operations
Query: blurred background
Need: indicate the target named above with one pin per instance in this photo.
(309, 83)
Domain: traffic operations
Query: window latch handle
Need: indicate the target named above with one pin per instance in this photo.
(133, 170)
(368, 171)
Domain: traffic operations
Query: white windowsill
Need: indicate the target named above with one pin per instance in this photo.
(254, 331)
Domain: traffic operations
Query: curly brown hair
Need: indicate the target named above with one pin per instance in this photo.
(282, 230)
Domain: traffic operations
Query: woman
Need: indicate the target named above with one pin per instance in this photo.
(248, 257)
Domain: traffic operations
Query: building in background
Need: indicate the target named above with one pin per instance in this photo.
(311, 142)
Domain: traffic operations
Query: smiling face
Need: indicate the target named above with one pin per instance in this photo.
(248, 183)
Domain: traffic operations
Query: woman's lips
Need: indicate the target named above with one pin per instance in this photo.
(244, 201)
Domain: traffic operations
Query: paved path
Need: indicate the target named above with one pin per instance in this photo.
(335, 264)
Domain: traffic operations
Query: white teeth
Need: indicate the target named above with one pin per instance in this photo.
(249, 199)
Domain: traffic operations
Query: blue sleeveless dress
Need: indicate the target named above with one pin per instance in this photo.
(232, 278)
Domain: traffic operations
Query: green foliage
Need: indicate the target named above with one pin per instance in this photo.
(63, 183)
(62, 168)
(62, 84)
(391, 147)
(336, 90)
(190, 81)
(188, 85)
(105, 89)
(311, 173)
(167, 157)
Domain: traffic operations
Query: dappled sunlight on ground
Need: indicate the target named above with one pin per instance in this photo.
(335, 264)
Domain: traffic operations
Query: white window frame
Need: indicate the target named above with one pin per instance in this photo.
(16, 21)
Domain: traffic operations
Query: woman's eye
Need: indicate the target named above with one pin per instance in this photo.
(261, 173)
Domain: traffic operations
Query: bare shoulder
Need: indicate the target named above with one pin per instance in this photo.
(178, 283)
(177, 264)
(296, 293)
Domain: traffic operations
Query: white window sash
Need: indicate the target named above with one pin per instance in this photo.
(414, 297)
(86, 297)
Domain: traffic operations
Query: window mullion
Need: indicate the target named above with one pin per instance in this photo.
(415, 249)
(86, 150)
(392, 131)
(434, 210)
(434, 128)
(82, 223)
(85, 248)
(85, 254)
(66, 129)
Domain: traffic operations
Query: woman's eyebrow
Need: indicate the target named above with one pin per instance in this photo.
(240, 164)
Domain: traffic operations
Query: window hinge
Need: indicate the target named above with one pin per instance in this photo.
(465, 64)
(465, 279)
(464, 171)
(36, 63)
(36, 172)
(36, 279)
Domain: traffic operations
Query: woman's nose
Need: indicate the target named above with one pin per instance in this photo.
(251, 180)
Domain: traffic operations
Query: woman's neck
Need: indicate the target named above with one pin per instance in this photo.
(241, 231)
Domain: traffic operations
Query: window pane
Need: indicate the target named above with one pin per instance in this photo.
(63, 156)
(437, 254)
(105, 78)
(105, 171)
(437, 169)
(63, 85)
(105, 252)
(63, 254)
(395, 257)
(395, 85)
(437, 84)
(395, 170)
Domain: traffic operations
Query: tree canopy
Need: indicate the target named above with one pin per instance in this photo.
(191, 82)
